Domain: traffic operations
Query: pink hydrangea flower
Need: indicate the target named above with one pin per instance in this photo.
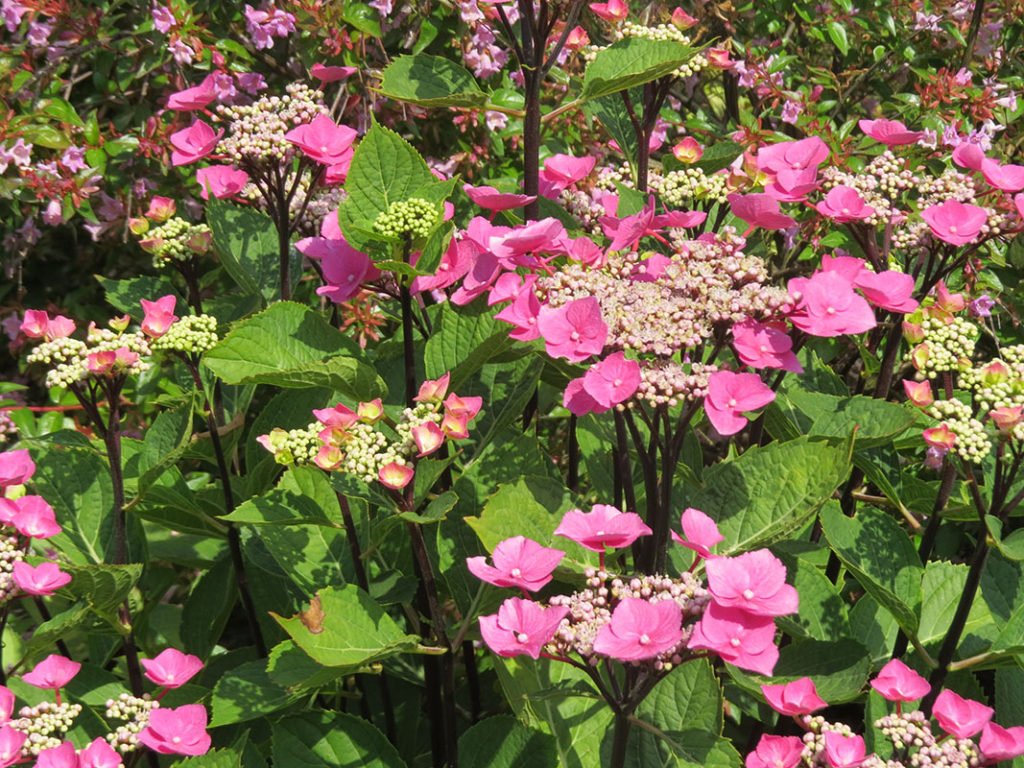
(828, 306)
(613, 380)
(518, 562)
(640, 630)
(1008, 178)
(562, 170)
(16, 467)
(969, 155)
(958, 716)
(323, 140)
(998, 743)
(754, 582)
(193, 143)
(799, 697)
(776, 752)
(844, 204)
(44, 579)
(455, 263)
(221, 181)
(792, 186)
(792, 155)
(740, 638)
(428, 438)
(328, 74)
(35, 518)
(395, 475)
(99, 754)
(52, 673)
(954, 222)
(521, 626)
(11, 742)
(196, 97)
(919, 393)
(843, 751)
(892, 133)
(171, 668)
(603, 526)
(890, 290)
(730, 395)
(578, 401)
(764, 346)
(344, 268)
(613, 10)
(180, 731)
(574, 331)
(493, 200)
(898, 682)
(759, 209)
(159, 316)
(62, 756)
(700, 532)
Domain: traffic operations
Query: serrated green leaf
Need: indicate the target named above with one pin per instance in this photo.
(431, 81)
(718, 156)
(246, 693)
(303, 495)
(942, 586)
(331, 740)
(463, 341)
(611, 111)
(292, 668)
(217, 758)
(633, 61)
(502, 742)
(436, 510)
(103, 587)
(1012, 547)
(822, 613)
(247, 242)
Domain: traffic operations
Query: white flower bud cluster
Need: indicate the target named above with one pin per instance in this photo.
(294, 446)
(667, 381)
(256, 131)
(950, 346)
(176, 240)
(368, 449)
(415, 217)
(678, 189)
(814, 739)
(972, 442)
(45, 725)
(66, 357)
(989, 393)
(192, 334)
(10, 553)
(134, 710)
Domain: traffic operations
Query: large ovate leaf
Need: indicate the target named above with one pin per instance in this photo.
(633, 61)
(103, 587)
(839, 669)
(292, 346)
(1002, 589)
(941, 588)
(430, 81)
(247, 692)
(502, 742)
(331, 740)
(303, 495)
(611, 111)
(217, 758)
(822, 613)
(247, 242)
(464, 339)
(872, 421)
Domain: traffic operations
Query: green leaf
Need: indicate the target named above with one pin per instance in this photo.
(942, 586)
(436, 510)
(247, 242)
(881, 557)
(291, 667)
(502, 742)
(816, 414)
(362, 17)
(246, 693)
(837, 32)
(1012, 547)
(611, 111)
(434, 249)
(633, 61)
(822, 613)
(1002, 589)
(683, 748)
(290, 345)
(208, 607)
(464, 339)
(125, 295)
(303, 495)
(431, 81)
(839, 669)
(719, 156)
(767, 493)
(331, 740)
(164, 443)
(103, 587)
(217, 758)
(345, 628)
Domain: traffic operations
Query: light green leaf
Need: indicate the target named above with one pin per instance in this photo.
(331, 740)
(464, 339)
(502, 742)
(839, 669)
(822, 613)
(942, 586)
(247, 242)
(303, 495)
(246, 693)
(431, 81)
(103, 587)
(217, 758)
(633, 61)
(837, 32)
(292, 668)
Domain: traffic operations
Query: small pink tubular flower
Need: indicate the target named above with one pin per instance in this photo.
(220, 181)
(613, 380)
(16, 467)
(890, 132)
(799, 697)
(700, 532)
(958, 716)
(898, 682)
(843, 751)
(829, 306)
(603, 526)
(574, 331)
(493, 200)
(998, 743)
(754, 582)
(740, 638)
(954, 222)
(99, 754)
(44, 579)
(844, 204)
(730, 395)
(180, 731)
(1008, 178)
(11, 742)
(193, 143)
(764, 346)
(52, 673)
(760, 209)
(196, 97)
(159, 315)
(521, 626)
(640, 630)
(776, 752)
(792, 155)
(518, 562)
(890, 290)
(172, 668)
(323, 140)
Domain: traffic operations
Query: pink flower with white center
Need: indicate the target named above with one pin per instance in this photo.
(828, 306)
(998, 743)
(1008, 178)
(6, 703)
(844, 204)
(843, 751)
(941, 437)
(35, 518)
(640, 630)
(468, 406)
(613, 11)
(791, 186)
(344, 268)
(892, 133)
(560, 171)
(889, 290)
(99, 754)
(518, 562)
(578, 401)
(954, 222)
(898, 682)
(537, 236)
(455, 426)
(700, 532)
(523, 313)
(730, 395)
(754, 582)
(764, 346)
(792, 155)
(328, 74)
(16, 467)
(180, 731)
(574, 331)
(159, 316)
(740, 638)
(521, 626)
(323, 140)
(433, 390)
(958, 716)
(44, 579)
(613, 380)
(221, 181)
(395, 475)
(455, 263)
(193, 143)
(11, 742)
(172, 668)
(52, 673)
(799, 697)
(63, 756)
(428, 438)
(603, 526)
(776, 752)
(493, 200)
(688, 150)
(969, 155)
(197, 97)
(759, 209)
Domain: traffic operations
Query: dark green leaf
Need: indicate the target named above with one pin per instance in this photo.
(331, 740)
(502, 742)
(245, 693)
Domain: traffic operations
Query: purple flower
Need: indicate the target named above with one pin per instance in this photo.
(791, 111)
(163, 19)
(982, 306)
(74, 159)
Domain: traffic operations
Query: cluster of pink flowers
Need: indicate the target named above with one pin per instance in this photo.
(266, 23)
(651, 619)
(834, 745)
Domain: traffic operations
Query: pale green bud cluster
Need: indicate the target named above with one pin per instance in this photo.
(368, 449)
(45, 725)
(415, 217)
(65, 356)
(990, 394)
(176, 239)
(193, 334)
(950, 346)
(972, 442)
(293, 446)
(676, 189)
(135, 711)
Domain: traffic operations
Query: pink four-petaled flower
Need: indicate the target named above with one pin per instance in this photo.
(521, 626)
(518, 562)
(604, 526)
(640, 630)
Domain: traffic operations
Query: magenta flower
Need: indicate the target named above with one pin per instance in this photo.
(843, 751)
(740, 638)
(844, 204)
(521, 626)
(1008, 178)
(11, 742)
(889, 290)
(52, 673)
(44, 579)
(574, 331)
(35, 518)
(172, 668)
(493, 200)
(958, 716)
(159, 315)
(518, 562)
(395, 475)
(764, 346)
(754, 582)
(578, 400)
(193, 143)
(969, 155)
(63, 756)
(180, 731)
(799, 697)
(759, 209)
(562, 170)
(16, 467)
(196, 97)
(613, 380)
(699, 532)
(455, 263)
(954, 222)
(220, 181)
(344, 268)
(828, 306)
(511, 247)
(329, 74)
(603, 526)
(776, 752)
(892, 133)
(898, 682)
(6, 703)
(640, 630)
(792, 155)
(428, 438)
(730, 395)
(998, 743)
(613, 11)
(99, 754)
(323, 140)
(792, 186)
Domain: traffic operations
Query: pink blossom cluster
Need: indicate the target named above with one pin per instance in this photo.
(834, 745)
(266, 23)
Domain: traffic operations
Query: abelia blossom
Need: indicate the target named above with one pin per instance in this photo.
(892, 133)
(792, 155)
(44, 579)
(518, 562)
(521, 626)
(640, 630)
(700, 532)
(740, 638)
(759, 209)
(799, 697)
(764, 346)
(754, 582)
(954, 222)
(898, 682)
(159, 316)
(730, 395)
(998, 743)
(981, 306)
(323, 140)
(613, 380)
(180, 731)
(52, 673)
(603, 526)
(16, 467)
(171, 668)
(193, 143)
(828, 306)
(220, 181)
(844, 751)
(776, 752)
(958, 716)
(197, 97)
(844, 204)
(574, 331)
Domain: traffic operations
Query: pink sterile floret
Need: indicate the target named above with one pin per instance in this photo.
(890, 132)
(889, 290)
(11, 742)
(180, 731)
(612, 11)
(792, 155)
(799, 697)
(196, 97)
(1008, 178)
(954, 222)
(329, 74)
(969, 155)
(843, 751)
(578, 400)
(323, 140)
(640, 630)
(521, 626)
(844, 204)
(44, 579)
(603, 526)
(958, 716)
(493, 200)
(171, 668)
(998, 743)
(730, 395)
(574, 331)
(99, 754)
(776, 752)
(613, 380)
(52, 672)
(344, 268)
(34, 517)
(740, 638)
(754, 582)
(700, 532)
(220, 181)
(562, 170)
(829, 306)
(898, 682)
(455, 263)
(193, 143)
(16, 467)
(159, 315)
(764, 346)
(518, 562)
(760, 209)
(792, 186)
